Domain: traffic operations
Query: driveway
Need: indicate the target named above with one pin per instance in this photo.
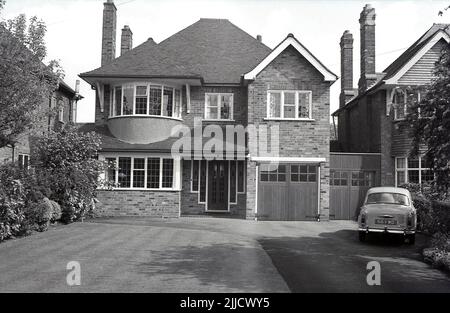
(210, 255)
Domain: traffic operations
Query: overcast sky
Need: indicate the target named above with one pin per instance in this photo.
(74, 28)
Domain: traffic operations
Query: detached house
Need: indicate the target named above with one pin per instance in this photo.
(370, 127)
(212, 73)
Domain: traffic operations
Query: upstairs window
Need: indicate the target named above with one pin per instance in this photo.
(219, 106)
(289, 104)
(399, 102)
(61, 111)
(146, 99)
(24, 161)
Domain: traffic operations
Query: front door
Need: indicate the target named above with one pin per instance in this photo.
(218, 186)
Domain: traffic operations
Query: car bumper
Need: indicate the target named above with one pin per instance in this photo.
(387, 230)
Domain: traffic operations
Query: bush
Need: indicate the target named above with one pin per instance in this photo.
(40, 214)
(56, 212)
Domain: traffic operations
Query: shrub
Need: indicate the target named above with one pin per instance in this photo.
(56, 211)
(40, 214)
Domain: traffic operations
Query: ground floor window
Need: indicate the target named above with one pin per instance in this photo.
(412, 170)
(141, 172)
(24, 161)
(355, 178)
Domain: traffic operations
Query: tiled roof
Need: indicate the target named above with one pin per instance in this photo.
(213, 49)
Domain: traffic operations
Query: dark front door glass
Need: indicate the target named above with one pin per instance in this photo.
(218, 186)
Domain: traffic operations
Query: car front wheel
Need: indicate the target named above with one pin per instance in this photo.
(362, 236)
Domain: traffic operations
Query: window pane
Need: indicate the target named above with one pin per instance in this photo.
(141, 100)
(303, 105)
(139, 173)
(400, 178)
(168, 101)
(203, 169)
(177, 109)
(413, 163)
(26, 161)
(401, 163)
(195, 175)
(241, 176)
(118, 101)
(289, 111)
(167, 175)
(399, 103)
(111, 171)
(413, 176)
(155, 100)
(312, 178)
(289, 98)
(233, 187)
(212, 106)
(153, 168)
(128, 93)
(125, 172)
(274, 105)
(225, 109)
(20, 161)
(427, 176)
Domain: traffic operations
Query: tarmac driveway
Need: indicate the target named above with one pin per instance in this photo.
(210, 255)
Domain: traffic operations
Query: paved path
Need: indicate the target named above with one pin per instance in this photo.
(211, 255)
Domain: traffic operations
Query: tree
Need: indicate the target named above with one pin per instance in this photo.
(25, 81)
(430, 121)
(66, 163)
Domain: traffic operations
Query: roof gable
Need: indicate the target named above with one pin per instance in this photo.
(292, 41)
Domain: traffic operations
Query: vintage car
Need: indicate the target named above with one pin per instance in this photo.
(388, 210)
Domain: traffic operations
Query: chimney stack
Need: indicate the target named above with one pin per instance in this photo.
(109, 32)
(126, 40)
(259, 38)
(347, 91)
(367, 24)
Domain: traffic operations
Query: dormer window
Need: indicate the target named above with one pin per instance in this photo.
(145, 99)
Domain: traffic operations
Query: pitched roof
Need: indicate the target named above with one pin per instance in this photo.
(213, 49)
(401, 61)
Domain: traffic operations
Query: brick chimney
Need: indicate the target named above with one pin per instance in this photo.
(109, 32)
(126, 40)
(347, 91)
(367, 23)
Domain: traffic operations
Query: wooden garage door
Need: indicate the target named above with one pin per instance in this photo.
(287, 192)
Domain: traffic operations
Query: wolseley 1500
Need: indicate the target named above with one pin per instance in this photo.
(388, 210)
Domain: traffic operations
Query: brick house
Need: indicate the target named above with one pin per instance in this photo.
(370, 116)
(65, 99)
(212, 75)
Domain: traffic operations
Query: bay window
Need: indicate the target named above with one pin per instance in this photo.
(289, 104)
(412, 170)
(145, 99)
(219, 106)
(155, 173)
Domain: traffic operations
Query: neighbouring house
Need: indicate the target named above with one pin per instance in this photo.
(211, 74)
(373, 144)
(64, 100)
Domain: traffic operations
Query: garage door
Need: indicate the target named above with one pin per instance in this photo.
(287, 192)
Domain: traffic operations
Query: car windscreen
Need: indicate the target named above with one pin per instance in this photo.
(387, 198)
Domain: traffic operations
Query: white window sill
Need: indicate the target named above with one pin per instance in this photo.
(146, 116)
(139, 189)
(217, 120)
(289, 119)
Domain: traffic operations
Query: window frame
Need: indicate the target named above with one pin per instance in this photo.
(22, 164)
(282, 105)
(405, 170)
(219, 106)
(406, 104)
(175, 179)
(60, 104)
(149, 85)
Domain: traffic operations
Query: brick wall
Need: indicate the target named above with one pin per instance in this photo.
(138, 203)
(291, 71)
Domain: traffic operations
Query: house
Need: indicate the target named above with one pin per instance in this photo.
(369, 118)
(206, 79)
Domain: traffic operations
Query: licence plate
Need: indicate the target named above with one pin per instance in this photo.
(385, 222)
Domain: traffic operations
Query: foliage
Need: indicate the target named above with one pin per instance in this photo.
(40, 214)
(66, 162)
(430, 121)
(25, 82)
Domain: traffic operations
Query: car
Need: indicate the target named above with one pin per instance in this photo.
(388, 210)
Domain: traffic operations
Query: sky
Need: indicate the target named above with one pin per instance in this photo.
(74, 28)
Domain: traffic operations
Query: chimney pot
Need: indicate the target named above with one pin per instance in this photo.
(259, 38)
